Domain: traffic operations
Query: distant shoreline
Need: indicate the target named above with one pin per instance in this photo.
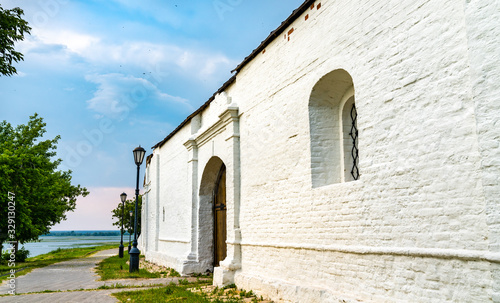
(81, 233)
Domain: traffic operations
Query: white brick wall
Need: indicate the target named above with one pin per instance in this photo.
(483, 33)
(423, 222)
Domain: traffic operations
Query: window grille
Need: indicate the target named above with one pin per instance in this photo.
(354, 137)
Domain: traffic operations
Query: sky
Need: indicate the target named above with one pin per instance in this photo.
(110, 75)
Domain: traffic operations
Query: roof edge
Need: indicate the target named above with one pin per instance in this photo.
(295, 14)
(278, 31)
(200, 109)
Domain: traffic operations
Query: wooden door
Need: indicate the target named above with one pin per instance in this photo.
(220, 217)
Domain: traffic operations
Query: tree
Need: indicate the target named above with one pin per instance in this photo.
(12, 29)
(29, 177)
(128, 224)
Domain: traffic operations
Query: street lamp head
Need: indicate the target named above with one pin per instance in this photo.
(123, 197)
(139, 153)
(131, 213)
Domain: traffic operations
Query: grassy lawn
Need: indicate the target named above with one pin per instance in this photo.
(200, 291)
(52, 257)
(170, 293)
(117, 268)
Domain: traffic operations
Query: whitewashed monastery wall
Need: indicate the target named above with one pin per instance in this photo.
(421, 224)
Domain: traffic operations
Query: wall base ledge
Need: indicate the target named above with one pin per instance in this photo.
(183, 266)
(283, 291)
(163, 259)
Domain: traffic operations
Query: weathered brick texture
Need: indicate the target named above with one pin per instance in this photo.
(422, 224)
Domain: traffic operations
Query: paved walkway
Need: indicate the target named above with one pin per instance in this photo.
(68, 276)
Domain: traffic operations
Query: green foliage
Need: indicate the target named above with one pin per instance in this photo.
(117, 268)
(114, 286)
(229, 286)
(30, 178)
(128, 222)
(246, 294)
(12, 29)
(200, 275)
(170, 293)
(20, 256)
(170, 272)
(173, 273)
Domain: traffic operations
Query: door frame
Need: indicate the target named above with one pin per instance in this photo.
(217, 208)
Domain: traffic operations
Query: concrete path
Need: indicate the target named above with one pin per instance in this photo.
(72, 278)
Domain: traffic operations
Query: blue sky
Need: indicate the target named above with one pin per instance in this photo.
(108, 75)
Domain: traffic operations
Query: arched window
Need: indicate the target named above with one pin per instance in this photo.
(333, 129)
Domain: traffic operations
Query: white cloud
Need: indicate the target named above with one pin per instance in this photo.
(117, 94)
(99, 53)
(20, 74)
(75, 42)
(212, 64)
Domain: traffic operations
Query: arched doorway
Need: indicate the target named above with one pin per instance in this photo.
(212, 227)
(219, 212)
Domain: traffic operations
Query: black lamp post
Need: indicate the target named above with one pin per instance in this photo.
(123, 197)
(139, 154)
(129, 232)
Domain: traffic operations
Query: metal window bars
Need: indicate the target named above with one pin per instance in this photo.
(354, 137)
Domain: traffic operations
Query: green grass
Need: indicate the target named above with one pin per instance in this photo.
(188, 292)
(171, 293)
(117, 268)
(52, 257)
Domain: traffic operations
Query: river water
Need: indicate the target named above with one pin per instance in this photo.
(50, 243)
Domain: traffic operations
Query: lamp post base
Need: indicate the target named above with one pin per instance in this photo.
(120, 250)
(134, 259)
